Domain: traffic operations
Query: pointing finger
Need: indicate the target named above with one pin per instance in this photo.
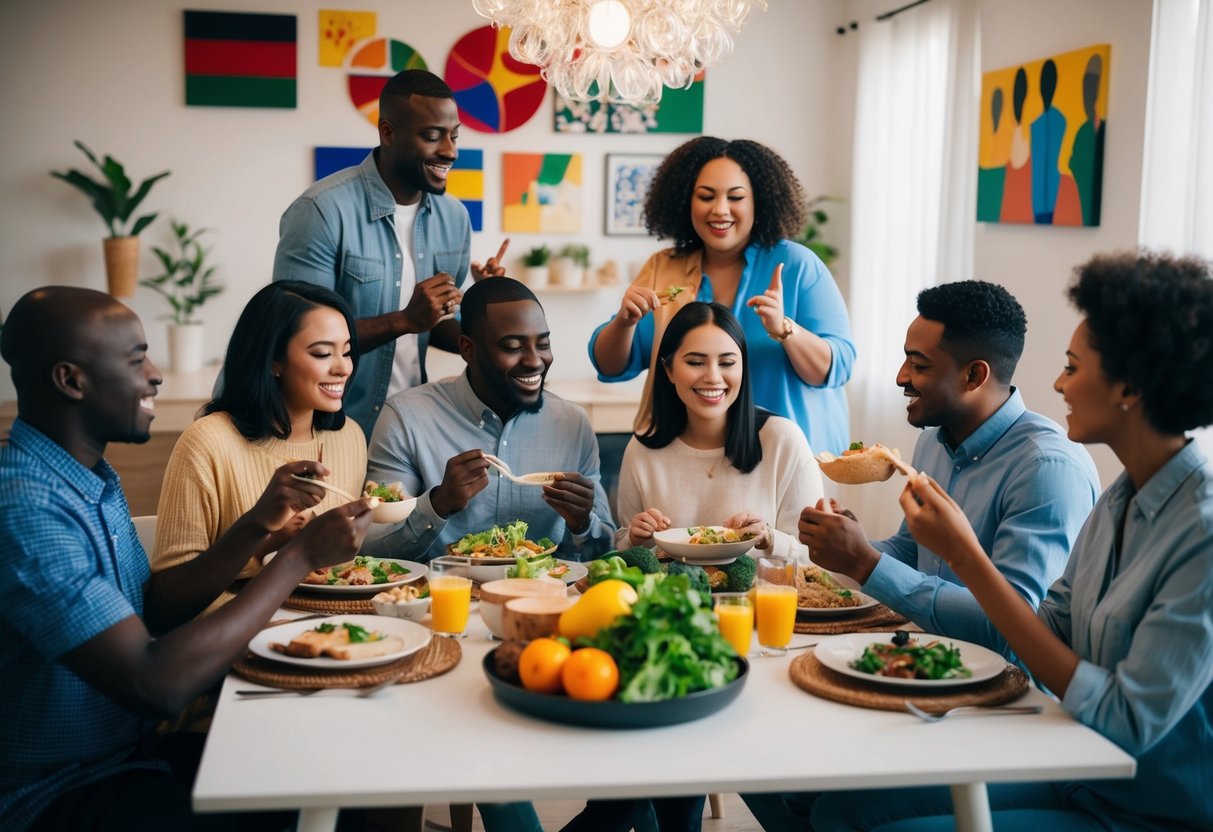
(501, 251)
(777, 278)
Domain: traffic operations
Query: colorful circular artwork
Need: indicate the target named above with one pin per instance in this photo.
(371, 65)
(494, 92)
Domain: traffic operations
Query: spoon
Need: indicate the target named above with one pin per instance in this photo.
(972, 710)
(541, 478)
(340, 492)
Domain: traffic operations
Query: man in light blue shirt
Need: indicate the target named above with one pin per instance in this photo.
(383, 232)
(433, 439)
(1025, 488)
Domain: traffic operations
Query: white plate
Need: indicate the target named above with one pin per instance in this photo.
(488, 561)
(416, 572)
(481, 572)
(415, 637)
(675, 542)
(866, 603)
(837, 653)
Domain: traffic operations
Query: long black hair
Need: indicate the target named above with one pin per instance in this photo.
(248, 392)
(669, 417)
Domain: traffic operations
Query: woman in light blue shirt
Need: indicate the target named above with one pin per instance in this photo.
(1125, 636)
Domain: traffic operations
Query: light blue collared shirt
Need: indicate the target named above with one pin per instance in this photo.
(420, 429)
(1141, 620)
(1026, 490)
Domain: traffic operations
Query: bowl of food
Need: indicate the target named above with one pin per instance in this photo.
(713, 545)
(410, 602)
(394, 505)
(495, 594)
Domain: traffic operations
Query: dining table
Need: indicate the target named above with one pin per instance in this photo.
(449, 740)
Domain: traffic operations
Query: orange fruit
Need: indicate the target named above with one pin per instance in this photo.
(590, 674)
(540, 664)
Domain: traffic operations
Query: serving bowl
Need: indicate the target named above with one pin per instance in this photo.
(396, 511)
(676, 543)
(495, 594)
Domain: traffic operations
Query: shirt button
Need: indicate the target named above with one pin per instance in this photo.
(504, 442)
(957, 467)
(376, 407)
(397, 284)
(397, 255)
(975, 459)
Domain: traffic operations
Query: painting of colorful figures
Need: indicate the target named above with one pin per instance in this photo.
(680, 111)
(541, 193)
(1040, 159)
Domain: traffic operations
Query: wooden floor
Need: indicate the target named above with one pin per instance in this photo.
(554, 814)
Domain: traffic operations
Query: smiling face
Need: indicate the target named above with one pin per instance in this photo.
(722, 207)
(1092, 401)
(318, 361)
(509, 357)
(931, 378)
(706, 372)
(417, 145)
(120, 381)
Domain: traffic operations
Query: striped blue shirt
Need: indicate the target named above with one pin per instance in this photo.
(71, 567)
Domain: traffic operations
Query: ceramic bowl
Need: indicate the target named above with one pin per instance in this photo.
(535, 617)
(494, 595)
(393, 512)
(412, 610)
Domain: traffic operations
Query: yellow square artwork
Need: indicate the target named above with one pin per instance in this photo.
(341, 29)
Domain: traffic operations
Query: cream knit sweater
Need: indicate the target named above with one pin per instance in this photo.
(215, 475)
(701, 488)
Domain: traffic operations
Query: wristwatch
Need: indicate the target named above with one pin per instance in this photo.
(789, 327)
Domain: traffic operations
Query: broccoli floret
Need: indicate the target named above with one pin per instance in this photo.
(642, 558)
(718, 578)
(741, 573)
(696, 575)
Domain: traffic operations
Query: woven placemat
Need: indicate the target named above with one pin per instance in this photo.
(811, 675)
(329, 604)
(439, 656)
(876, 619)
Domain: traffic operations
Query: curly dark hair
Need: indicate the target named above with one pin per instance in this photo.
(980, 320)
(780, 204)
(1151, 321)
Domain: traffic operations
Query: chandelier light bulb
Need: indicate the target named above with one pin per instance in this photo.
(619, 51)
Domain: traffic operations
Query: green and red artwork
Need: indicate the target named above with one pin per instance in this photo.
(680, 111)
(371, 65)
(494, 92)
(234, 59)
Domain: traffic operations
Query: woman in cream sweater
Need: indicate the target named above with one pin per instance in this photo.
(709, 456)
(278, 413)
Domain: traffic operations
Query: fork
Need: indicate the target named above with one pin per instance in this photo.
(277, 691)
(525, 479)
(972, 710)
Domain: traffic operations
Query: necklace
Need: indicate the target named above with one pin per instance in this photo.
(711, 469)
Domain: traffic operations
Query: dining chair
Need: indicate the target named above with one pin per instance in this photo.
(145, 527)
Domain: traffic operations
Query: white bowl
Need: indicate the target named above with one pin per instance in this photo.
(414, 610)
(393, 512)
(676, 543)
(495, 594)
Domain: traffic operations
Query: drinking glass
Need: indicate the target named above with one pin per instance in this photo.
(775, 600)
(735, 617)
(450, 598)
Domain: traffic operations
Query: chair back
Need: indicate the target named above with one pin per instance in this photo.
(145, 527)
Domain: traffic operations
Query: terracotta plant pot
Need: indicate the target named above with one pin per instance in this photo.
(121, 265)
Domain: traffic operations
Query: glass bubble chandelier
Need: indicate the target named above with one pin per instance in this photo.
(620, 51)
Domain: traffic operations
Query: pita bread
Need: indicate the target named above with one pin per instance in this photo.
(872, 464)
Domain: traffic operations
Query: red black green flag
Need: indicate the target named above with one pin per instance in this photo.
(234, 59)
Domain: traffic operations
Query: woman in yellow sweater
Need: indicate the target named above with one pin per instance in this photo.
(290, 358)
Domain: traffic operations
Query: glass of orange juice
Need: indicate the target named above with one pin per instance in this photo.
(735, 617)
(775, 599)
(450, 598)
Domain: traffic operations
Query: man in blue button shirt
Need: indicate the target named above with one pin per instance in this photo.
(434, 438)
(385, 237)
(92, 646)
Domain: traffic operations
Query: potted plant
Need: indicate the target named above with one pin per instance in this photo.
(186, 283)
(535, 267)
(571, 265)
(810, 238)
(113, 200)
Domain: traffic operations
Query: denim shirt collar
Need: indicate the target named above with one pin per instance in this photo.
(90, 484)
(978, 444)
(379, 200)
(469, 402)
(1161, 487)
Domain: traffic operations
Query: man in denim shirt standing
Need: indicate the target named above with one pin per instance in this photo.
(384, 237)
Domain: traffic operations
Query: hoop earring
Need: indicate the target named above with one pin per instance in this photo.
(1124, 406)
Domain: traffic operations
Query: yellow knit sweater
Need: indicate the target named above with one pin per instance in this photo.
(215, 475)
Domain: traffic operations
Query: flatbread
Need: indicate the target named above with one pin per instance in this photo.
(872, 464)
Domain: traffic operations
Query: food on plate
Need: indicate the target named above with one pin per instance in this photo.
(590, 674)
(361, 571)
(859, 464)
(505, 660)
(709, 535)
(817, 589)
(670, 294)
(510, 542)
(340, 641)
(905, 658)
(695, 574)
(409, 592)
(631, 565)
(537, 567)
(540, 664)
(390, 492)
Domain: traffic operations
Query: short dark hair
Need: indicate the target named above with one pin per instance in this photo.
(1151, 321)
(669, 417)
(248, 392)
(473, 309)
(780, 204)
(413, 82)
(980, 320)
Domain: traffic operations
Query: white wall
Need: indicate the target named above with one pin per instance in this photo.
(111, 74)
(1035, 262)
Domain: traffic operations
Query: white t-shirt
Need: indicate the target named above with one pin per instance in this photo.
(406, 361)
(701, 488)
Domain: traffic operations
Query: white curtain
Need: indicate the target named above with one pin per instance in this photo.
(1177, 171)
(914, 209)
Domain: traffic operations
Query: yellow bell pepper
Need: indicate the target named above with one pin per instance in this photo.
(597, 608)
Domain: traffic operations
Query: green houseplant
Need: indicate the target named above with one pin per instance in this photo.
(115, 203)
(571, 265)
(535, 267)
(186, 282)
(810, 238)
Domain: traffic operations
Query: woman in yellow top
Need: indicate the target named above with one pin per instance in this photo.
(278, 413)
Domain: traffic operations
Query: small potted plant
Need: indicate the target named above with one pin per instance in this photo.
(535, 267)
(810, 238)
(186, 283)
(571, 265)
(113, 200)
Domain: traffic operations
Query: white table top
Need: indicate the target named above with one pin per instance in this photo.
(448, 740)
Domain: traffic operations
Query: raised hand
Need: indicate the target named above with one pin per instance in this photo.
(286, 496)
(836, 541)
(644, 524)
(747, 522)
(638, 301)
(769, 305)
(494, 267)
(334, 536)
(466, 475)
(434, 299)
(572, 497)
